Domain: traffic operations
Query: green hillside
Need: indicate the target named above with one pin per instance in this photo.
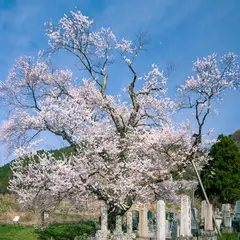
(5, 174)
(5, 171)
(236, 137)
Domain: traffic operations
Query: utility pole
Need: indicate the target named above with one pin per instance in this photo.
(205, 195)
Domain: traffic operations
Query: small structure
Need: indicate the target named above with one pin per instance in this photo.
(16, 220)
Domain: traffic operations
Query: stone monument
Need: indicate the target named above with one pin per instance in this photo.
(161, 221)
(104, 233)
(185, 222)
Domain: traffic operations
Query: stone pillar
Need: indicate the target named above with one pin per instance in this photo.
(167, 226)
(237, 210)
(118, 224)
(218, 222)
(104, 216)
(208, 225)
(217, 211)
(129, 222)
(104, 233)
(194, 221)
(129, 235)
(143, 223)
(178, 231)
(223, 207)
(118, 233)
(227, 219)
(203, 210)
(185, 224)
(161, 221)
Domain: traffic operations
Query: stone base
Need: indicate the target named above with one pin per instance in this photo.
(227, 229)
(118, 235)
(106, 235)
(158, 238)
(184, 238)
(103, 235)
(129, 236)
(208, 238)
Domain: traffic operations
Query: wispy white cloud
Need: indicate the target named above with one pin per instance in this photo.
(152, 15)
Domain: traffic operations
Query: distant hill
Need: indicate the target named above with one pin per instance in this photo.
(5, 174)
(236, 137)
(5, 171)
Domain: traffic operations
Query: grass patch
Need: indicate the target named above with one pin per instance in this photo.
(12, 232)
(229, 236)
(53, 231)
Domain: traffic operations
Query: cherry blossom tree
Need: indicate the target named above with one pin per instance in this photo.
(208, 86)
(125, 151)
(117, 162)
(40, 182)
(200, 92)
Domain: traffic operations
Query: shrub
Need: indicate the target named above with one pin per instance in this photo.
(67, 231)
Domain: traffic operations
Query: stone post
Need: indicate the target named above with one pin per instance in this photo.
(104, 233)
(218, 221)
(178, 230)
(185, 223)
(194, 221)
(167, 226)
(223, 207)
(118, 224)
(129, 235)
(129, 222)
(208, 225)
(104, 216)
(143, 223)
(118, 233)
(237, 210)
(161, 221)
(203, 210)
(227, 219)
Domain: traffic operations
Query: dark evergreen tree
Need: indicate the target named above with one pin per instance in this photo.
(221, 177)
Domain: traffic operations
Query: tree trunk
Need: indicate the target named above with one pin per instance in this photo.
(40, 219)
(113, 212)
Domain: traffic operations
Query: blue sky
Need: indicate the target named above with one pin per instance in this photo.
(179, 32)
